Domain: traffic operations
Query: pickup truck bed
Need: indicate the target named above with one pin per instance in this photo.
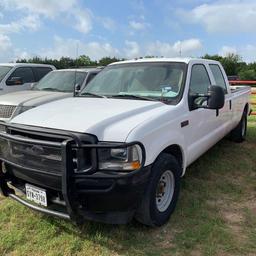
(240, 88)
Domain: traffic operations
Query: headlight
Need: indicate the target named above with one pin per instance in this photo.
(2, 127)
(123, 159)
(24, 108)
(21, 109)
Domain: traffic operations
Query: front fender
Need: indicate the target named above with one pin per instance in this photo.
(156, 141)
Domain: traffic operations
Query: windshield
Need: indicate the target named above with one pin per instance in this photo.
(158, 81)
(3, 71)
(62, 81)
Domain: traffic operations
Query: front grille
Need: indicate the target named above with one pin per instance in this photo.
(6, 111)
(42, 151)
(38, 157)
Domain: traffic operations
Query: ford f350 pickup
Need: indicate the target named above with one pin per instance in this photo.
(118, 150)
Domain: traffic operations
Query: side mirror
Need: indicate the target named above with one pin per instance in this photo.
(15, 81)
(77, 89)
(216, 98)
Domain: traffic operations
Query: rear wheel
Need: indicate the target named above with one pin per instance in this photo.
(162, 192)
(239, 133)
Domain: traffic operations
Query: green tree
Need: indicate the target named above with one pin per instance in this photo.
(107, 60)
(82, 61)
(213, 57)
(230, 63)
(247, 74)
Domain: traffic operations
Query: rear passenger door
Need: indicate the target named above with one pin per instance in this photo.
(226, 112)
(27, 76)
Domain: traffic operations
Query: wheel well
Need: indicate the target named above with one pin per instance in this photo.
(246, 108)
(176, 151)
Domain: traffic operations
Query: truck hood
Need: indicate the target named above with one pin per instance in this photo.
(31, 98)
(108, 119)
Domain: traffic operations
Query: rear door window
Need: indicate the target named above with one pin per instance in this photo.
(40, 72)
(218, 76)
(25, 73)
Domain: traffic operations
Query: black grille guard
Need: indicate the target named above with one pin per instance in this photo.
(71, 141)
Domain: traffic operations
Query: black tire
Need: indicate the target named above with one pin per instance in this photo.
(148, 212)
(239, 133)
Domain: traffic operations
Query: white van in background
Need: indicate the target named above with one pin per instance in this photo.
(19, 76)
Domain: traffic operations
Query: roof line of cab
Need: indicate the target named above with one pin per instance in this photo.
(25, 64)
(184, 60)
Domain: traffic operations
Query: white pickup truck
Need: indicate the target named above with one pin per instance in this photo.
(58, 84)
(120, 148)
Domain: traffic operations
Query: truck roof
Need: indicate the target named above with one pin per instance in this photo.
(81, 69)
(25, 65)
(184, 60)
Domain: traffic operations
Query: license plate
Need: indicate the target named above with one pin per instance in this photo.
(37, 195)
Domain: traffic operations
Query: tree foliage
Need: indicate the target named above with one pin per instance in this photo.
(232, 63)
(67, 62)
(247, 74)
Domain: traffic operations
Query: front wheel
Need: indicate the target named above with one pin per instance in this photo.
(162, 192)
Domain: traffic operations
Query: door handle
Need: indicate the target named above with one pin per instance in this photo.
(184, 123)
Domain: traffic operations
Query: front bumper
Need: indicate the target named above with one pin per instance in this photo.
(100, 196)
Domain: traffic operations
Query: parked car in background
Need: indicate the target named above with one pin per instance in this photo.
(57, 84)
(120, 148)
(20, 76)
(233, 78)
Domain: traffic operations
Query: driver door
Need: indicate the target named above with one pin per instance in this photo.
(27, 76)
(203, 123)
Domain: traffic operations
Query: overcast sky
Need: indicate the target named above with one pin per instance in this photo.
(126, 28)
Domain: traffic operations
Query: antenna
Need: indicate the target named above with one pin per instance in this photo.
(77, 46)
(180, 49)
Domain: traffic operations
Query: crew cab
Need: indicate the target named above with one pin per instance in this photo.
(19, 76)
(118, 150)
(55, 85)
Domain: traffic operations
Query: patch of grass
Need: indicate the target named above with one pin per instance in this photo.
(253, 100)
(215, 215)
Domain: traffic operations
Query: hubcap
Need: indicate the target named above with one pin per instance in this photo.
(165, 191)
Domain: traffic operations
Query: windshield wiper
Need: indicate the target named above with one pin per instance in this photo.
(51, 89)
(131, 96)
(92, 94)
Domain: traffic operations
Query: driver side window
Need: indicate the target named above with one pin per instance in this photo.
(199, 81)
(25, 73)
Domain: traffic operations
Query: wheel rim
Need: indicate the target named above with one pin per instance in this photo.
(165, 191)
